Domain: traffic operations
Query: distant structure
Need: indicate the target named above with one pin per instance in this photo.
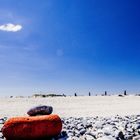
(105, 93)
(75, 94)
(125, 93)
(48, 95)
(64, 95)
(89, 94)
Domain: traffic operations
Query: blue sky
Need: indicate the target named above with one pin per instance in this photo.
(69, 46)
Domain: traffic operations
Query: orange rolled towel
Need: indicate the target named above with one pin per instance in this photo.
(32, 128)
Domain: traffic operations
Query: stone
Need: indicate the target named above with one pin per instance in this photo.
(121, 135)
(35, 127)
(107, 130)
(89, 137)
(70, 134)
(128, 137)
(136, 138)
(40, 110)
(1, 136)
(99, 125)
(2, 121)
(82, 131)
(70, 138)
(106, 138)
(136, 126)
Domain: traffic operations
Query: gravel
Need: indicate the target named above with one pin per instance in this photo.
(97, 128)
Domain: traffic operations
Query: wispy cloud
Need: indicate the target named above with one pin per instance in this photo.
(10, 27)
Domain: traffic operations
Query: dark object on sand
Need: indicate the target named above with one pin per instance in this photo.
(40, 110)
(125, 93)
(120, 95)
(32, 128)
(89, 94)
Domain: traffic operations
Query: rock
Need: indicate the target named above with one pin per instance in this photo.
(40, 110)
(88, 125)
(64, 134)
(82, 131)
(2, 121)
(99, 125)
(128, 137)
(91, 134)
(106, 138)
(136, 126)
(36, 127)
(107, 130)
(70, 134)
(89, 137)
(136, 138)
(70, 138)
(121, 135)
(80, 127)
(1, 136)
(100, 133)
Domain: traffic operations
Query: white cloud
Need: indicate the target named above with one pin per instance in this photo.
(10, 27)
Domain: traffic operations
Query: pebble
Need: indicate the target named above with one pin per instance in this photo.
(40, 110)
(2, 120)
(89, 137)
(82, 131)
(98, 128)
(106, 138)
(104, 128)
(136, 138)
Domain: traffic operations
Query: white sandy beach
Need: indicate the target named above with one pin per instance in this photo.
(74, 106)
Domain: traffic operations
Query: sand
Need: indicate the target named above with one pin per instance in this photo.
(82, 106)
